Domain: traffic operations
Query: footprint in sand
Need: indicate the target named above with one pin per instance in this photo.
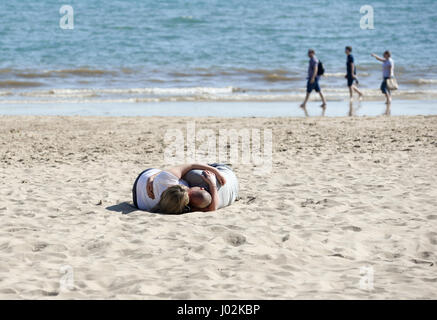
(432, 236)
(352, 228)
(250, 199)
(235, 239)
(39, 246)
(311, 203)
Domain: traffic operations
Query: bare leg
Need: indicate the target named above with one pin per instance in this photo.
(357, 91)
(304, 104)
(351, 108)
(387, 109)
(351, 93)
(388, 98)
(323, 106)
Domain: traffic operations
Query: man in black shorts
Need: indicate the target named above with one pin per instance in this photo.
(351, 73)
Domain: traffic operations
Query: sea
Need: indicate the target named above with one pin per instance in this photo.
(115, 53)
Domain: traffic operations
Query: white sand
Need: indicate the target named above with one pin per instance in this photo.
(343, 194)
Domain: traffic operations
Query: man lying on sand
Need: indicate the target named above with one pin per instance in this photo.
(166, 192)
(227, 194)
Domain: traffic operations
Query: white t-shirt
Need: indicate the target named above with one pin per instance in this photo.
(162, 181)
(386, 66)
(227, 193)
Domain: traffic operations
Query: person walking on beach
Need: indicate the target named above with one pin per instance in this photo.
(313, 81)
(351, 73)
(387, 73)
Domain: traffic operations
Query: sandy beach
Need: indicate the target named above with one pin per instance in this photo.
(345, 196)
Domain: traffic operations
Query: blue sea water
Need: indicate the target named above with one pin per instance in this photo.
(142, 51)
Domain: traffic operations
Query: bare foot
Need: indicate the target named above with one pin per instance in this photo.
(304, 108)
(323, 106)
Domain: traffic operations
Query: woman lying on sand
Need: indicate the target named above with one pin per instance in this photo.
(164, 191)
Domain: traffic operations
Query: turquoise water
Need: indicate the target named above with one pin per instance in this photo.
(141, 51)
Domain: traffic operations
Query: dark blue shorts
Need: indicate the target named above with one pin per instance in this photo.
(350, 81)
(134, 188)
(313, 86)
(384, 88)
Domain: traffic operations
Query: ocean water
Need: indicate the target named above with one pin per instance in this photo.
(146, 51)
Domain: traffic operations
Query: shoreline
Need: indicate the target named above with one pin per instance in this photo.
(223, 109)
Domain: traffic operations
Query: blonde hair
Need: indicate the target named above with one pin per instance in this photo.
(173, 200)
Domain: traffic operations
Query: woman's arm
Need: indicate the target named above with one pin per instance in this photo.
(209, 178)
(149, 187)
(377, 57)
(180, 171)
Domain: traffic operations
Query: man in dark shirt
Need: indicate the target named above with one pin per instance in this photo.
(350, 73)
(313, 81)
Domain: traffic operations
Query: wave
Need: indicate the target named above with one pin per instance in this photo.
(135, 91)
(5, 70)
(19, 84)
(335, 75)
(342, 74)
(258, 71)
(33, 75)
(279, 77)
(272, 75)
(196, 74)
(186, 20)
(420, 81)
(82, 72)
(148, 95)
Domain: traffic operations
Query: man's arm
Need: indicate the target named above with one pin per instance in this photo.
(214, 201)
(180, 171)
(213, 206)
(316, 69)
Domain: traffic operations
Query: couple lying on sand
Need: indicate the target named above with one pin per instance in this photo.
(185, 188)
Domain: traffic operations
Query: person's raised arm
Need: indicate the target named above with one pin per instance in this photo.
(377, 57)
(180, 171)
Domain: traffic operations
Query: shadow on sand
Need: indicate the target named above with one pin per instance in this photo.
(124, 208)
